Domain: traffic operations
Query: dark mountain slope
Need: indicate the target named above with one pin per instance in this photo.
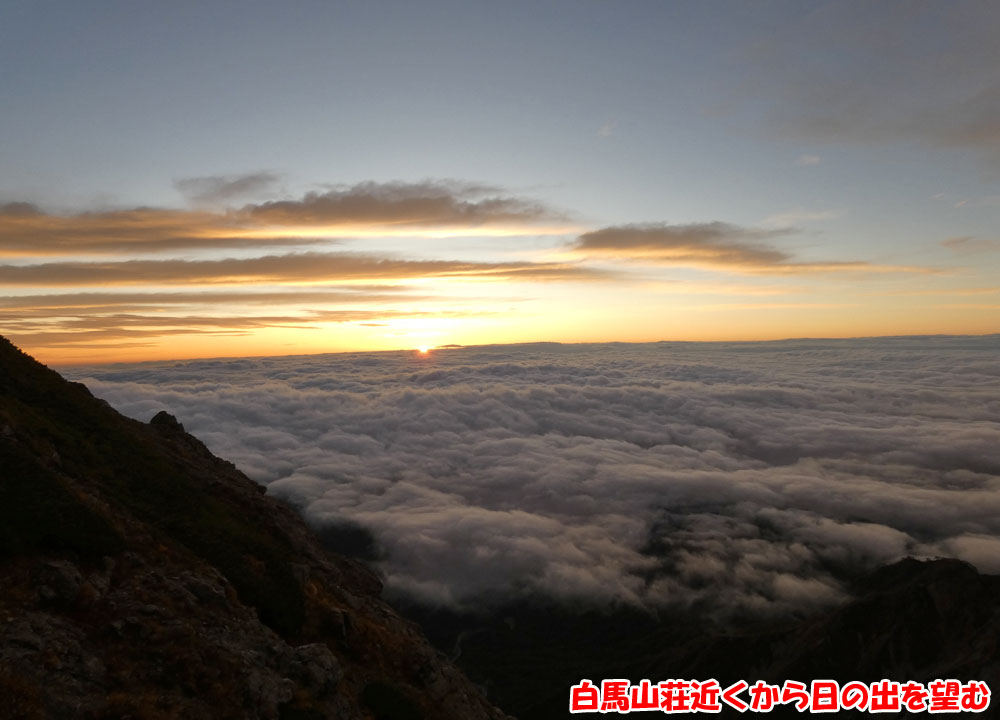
(911, 620)
(143, 577)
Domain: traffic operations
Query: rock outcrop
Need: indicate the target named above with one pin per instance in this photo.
(145, 578)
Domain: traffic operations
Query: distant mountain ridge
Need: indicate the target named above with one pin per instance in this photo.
(911, 620)
(143, 577)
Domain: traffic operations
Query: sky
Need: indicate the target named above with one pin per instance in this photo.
(206, 179)
(728, 478)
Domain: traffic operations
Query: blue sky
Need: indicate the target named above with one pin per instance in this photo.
(868, 132)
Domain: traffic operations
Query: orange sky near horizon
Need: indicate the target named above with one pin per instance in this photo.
(126, 286)
(168, 324)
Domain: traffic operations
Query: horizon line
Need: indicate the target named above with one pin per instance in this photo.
(451, 346)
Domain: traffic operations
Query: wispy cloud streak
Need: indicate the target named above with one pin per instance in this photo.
(714, 245)
(273, 269)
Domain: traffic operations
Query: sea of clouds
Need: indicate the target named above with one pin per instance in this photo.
(724, 477)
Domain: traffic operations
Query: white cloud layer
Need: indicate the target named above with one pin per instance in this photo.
(725, 477)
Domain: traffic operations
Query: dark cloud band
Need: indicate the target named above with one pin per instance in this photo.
(290, 268)
(25, 230)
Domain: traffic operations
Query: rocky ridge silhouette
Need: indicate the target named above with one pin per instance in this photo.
(143, 577)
